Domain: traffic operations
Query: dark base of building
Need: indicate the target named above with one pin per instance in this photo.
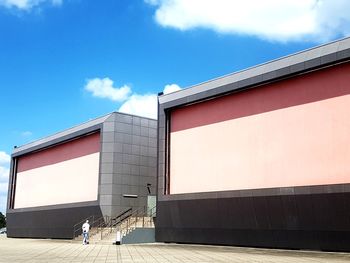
(322, 241)
(50, 223)
(311, 221)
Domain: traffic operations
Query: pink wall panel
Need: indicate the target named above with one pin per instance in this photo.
(63, 152)
(292, 133)
(315, 86)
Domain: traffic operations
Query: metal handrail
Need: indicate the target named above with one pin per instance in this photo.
(77, 226)
(129, 217)
(139, 214)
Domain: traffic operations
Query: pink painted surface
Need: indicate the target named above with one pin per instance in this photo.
(70, 181)
(315, 86)
(63, 152)
(292, 133)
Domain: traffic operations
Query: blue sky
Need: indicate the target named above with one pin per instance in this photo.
(63, 62)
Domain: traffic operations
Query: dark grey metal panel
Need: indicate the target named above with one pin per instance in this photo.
(304, 221)
(50, 223)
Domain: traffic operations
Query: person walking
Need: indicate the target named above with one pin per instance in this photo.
(86, 228)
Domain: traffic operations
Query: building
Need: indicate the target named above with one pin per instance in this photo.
(260, 157)
(100, 168)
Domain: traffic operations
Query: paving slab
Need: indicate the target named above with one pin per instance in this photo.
(45, 250)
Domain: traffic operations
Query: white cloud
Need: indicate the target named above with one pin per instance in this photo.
(3, 203)
(145, 105)
(4, 158)
(103, 88)
(26, 134)
(4, 177)
(317, 20)
(142, 105)
(171, 88)
(27, 4)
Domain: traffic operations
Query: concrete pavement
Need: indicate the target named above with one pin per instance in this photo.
(39, 250)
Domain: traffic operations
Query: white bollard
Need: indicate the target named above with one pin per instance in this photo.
(117, 238)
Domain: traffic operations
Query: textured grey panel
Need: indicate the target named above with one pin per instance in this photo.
(105, 189)
(144, 150)
(123, 127)
(105, 200)
(107, 157)
(329, 58)
(148, 180)
(143, 191)
(161, 121)
(144, 131)
(111, 117)
(118, 137)
(124, 118)
(144, 161)
(118, 157)
(282, 72)
(136, 139)
(152, 142)
(108, 137)
(144, 122)
(132, 180)
(118, 168)
(144, 169)
(135, 170)
(132, 190)
(344, 44)
(126, 168)
(106, 210)
(129, 202)
(144, 141)
(108, 147)
(123, 137)
(117, 189)
(136, 121)
(108, 127)
(136, 130)
(152, 124)
(315, 62)
(331, 48)
(152, 171)
(118, 147)
(152, 152)
(161, 134)
(106, 178)
(116, 199)
(107, 168)
(152, 133)
(126, 180)
(152, 161)
(135, 159)
(344, 54)
(127, 148)
(117, 178)
(127, 138)
(135, 149)
(127, 158)
(297, 67)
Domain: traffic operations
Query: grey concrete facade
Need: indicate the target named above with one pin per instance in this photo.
(128, 163)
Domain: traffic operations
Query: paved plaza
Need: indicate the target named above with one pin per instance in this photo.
(39, 250)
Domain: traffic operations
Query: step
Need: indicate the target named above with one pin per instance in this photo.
(140, 235)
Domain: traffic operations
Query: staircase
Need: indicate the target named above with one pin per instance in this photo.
(134, 227)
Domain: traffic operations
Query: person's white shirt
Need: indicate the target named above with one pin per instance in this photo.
(86, 227)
